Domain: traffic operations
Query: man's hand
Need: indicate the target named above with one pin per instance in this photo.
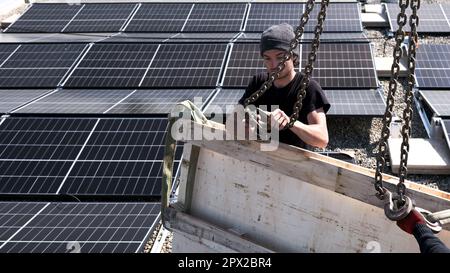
(408, 223)
(278, 117)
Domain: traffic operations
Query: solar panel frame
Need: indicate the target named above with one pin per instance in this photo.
(44, 18)
(438, 100)
(199, 37)
(159, 17)
(86, 228)
(77, 101)
(185, 66)
(215, 17)
(112, 65)
(13, 98)
(109, 17)
(433, 66)
(446, 128)
(432, 18)
(159, 100)
(39, 65)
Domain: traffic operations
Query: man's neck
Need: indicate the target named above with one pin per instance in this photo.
(282, 82)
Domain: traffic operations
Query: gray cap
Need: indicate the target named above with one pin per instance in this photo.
(277, 37)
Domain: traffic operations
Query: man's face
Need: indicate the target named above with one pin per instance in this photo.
(273, 57)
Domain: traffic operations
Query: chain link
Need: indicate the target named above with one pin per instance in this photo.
(293, 45)
(407, 113)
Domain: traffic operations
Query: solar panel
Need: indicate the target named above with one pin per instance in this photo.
(225, 100)
(432, 18)
(355, 103)
(14, 215)
(38, 65)
(264, 15)
(433, 66)
(112, 66)
(159, 101)
(439, 101)
(78, 227)
(36, 153)
(11, 98)
(341, 17)
(446, 9)
(122, 157)
(77, 101)
(185, 65)
(217, 17)
(5, 52)
(45, 18)
(100, 18)
(245, 61)
(160, 17)
(333, 37)
(343, 65)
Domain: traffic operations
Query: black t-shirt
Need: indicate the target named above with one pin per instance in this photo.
(285, 98)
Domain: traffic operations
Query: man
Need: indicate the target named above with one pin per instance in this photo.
(415, 224)
(311, 126)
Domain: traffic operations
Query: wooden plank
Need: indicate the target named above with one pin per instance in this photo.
(426, 156)
(187, 224)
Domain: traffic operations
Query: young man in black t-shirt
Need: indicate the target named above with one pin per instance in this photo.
(311, 126)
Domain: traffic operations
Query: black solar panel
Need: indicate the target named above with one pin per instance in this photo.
(36, 153)
(13, 98)
(160, 17)
(343, 65)
(355, 103)
(14, 216)
(45, 18)
(432, 18)
(217, 17)
(245, 61)
(77, 101)
(185, 65)
(264, 15)
(38, 65)
(100, 18)
(159, 101)
(5, 52)
(113, 66)
(77, 227)
(439, 101)
(225, 100)
(122, 157)
(337, 37)
(433, 66)
(341, 17)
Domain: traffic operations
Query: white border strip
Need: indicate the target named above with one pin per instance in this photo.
(187, 18)
(148, 67)
(126, 97)
(76, 14)
(10, 55)
(75, 65)
(130, 17)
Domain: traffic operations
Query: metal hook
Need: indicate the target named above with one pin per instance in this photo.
(394, 210)
(435, 227)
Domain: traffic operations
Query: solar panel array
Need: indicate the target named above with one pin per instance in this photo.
(75, 227)
(433, 66)
(88, 111)
(176, 17)
(433, 18)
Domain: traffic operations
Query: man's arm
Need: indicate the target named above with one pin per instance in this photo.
(315, 133)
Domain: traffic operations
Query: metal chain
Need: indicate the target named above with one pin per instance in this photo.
(407, 112)
(315, 43)
(293, 45)
(393, 83)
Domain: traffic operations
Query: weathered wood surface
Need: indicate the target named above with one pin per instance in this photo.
(293, 200)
